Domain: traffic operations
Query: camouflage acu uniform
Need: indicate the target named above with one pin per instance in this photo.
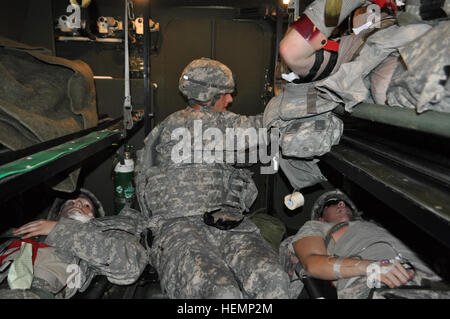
(195, 260)
(424, 85)
(349, 85)
(308, 129)
(167, 189)
(104, 246)
(303, 115)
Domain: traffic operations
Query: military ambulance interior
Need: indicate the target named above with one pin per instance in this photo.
(392, 161)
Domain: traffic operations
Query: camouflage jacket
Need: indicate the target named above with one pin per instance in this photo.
(199, 123)
(423, 85)
(103, 246)
(190, 187)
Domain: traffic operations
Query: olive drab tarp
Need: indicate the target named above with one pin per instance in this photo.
(43, 97)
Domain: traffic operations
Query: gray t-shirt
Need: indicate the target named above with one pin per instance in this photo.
(365, 240)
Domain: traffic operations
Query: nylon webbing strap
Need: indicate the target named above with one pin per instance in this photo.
(319, 125)
(31, 162)
(333, 229)
(311, 99)
(315, 68)
(330, 66)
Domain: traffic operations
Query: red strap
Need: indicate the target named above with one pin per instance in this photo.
(18, 243)
(382, 3)
(331, 46)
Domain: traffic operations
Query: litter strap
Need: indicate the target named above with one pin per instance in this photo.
(382, 3)
(18, 243)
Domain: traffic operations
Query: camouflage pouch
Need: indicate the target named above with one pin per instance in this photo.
(297, 101)
(301, 173)
(302, 100)
(311, 137)
(240, 191)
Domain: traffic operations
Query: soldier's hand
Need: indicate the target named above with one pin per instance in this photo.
(395, 275)
(35, 228)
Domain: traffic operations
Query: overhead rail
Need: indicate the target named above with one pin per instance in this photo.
(57, 156)
(9, 156)
(402, 184)
(433, 122)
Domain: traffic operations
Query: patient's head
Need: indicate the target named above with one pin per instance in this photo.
(80, 208)
(334, 206)
(336, 210)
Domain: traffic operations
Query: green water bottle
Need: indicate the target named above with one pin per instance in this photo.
(124, 192)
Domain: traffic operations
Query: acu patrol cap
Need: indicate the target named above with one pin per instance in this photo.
(204, 78)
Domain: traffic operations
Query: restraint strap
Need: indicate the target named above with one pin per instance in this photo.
(18, 243)
(333, 229)
(331, 46)
(330, 66)
(315, 68)
(382, 3)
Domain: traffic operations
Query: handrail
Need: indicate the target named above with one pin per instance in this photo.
(432, 122)
(60, 159)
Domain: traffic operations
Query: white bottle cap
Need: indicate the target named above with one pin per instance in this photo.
(127, 167)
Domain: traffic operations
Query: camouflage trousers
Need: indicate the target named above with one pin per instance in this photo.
(360, 290)
(17, 294)
(40, 289)
(195, 260)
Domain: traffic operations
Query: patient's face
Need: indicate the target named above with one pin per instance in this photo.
(336, 213)
(80, 208)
